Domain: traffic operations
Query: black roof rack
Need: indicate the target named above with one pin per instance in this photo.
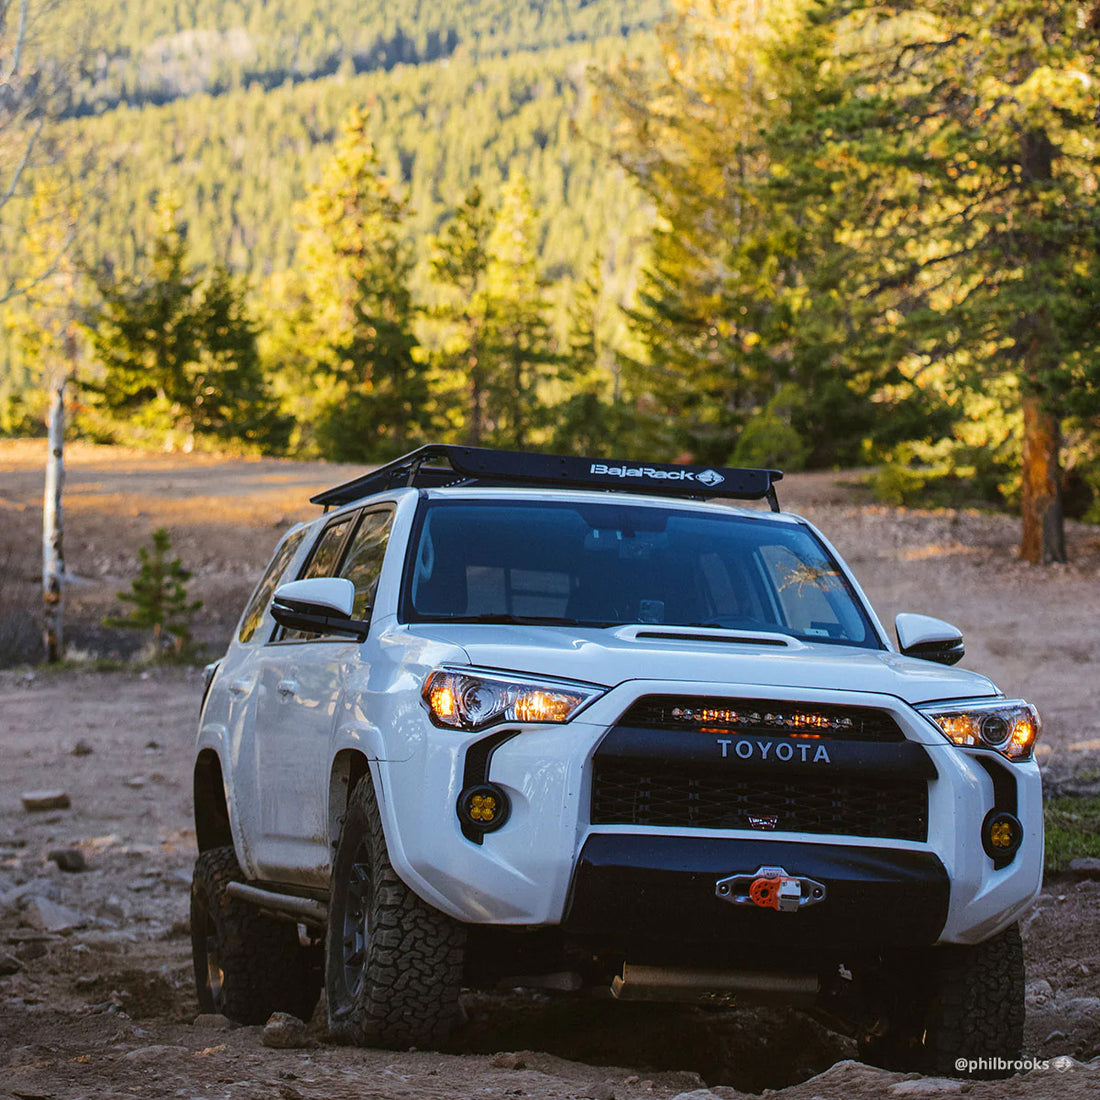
(481, 466)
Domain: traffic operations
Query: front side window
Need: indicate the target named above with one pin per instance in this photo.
(612, 564)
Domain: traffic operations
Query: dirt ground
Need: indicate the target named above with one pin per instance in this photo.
(103, 1006)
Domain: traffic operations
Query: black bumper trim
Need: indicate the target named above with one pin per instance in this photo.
(653, 898)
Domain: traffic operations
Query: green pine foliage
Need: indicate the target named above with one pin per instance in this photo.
(518, 345)
(158, 599)
(177, 349)
(460, 319)
(357, 329)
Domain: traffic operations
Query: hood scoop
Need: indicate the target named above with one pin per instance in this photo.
(643, 633)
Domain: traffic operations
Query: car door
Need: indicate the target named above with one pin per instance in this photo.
(237, 691)
(301, 688)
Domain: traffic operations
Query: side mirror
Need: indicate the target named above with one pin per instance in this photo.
(320, 605)
(928, 638)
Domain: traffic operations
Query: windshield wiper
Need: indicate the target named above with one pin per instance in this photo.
(518, 620)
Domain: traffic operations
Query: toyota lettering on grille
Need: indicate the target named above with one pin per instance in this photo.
(786, 751)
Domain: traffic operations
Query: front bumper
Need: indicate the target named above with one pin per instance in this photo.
(876, 899)
(550, 865)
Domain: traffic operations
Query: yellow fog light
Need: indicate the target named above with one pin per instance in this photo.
(1002, 835)
(483, 808)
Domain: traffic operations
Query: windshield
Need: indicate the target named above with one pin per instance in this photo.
(611, 564)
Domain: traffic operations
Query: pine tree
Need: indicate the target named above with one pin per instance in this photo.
(717, 297)
(356, 267)
(178, 348)
(955, 155)
(518, 343)
(588, 416)
(459, 265)
(159, 598)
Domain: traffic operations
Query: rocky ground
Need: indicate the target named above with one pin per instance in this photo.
(96, 995)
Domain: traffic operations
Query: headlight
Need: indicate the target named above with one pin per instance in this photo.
(1010, 726)
(471, 701)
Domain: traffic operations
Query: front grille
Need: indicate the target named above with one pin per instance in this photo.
(714, 714)
(679, 796)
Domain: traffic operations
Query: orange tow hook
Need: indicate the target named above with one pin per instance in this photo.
(765, 893)
(773, 892)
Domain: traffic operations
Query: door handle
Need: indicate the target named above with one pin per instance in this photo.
(240, 687)
(288, 688)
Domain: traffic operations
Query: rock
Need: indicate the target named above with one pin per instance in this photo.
(212, 1021)
(718, 1092)
(153, 1053)
(39, 912)
(285, 1032)
(1087, 867)
(1037, 993)
(9, 965)
(927, 1086)
(683, 1079)
(508, 1060)
(12, 898)
(135, 781)
(69, 859)
(36, 801)
(1082, 1011)
(113, 907)
(602, 1090)
(28, 952)
(82, 748)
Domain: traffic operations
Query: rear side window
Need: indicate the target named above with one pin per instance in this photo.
(322, 562)
(363, 562)
(254, 612)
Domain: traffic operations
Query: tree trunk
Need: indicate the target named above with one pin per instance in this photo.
(53, 557)
(1041, 505)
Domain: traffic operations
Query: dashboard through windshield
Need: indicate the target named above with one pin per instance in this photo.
(600, 565)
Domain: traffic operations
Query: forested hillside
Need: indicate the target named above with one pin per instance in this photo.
(237, 161)
(150, 50)
(800, 232)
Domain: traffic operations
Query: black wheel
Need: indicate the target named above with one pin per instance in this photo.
(967, 1004)
(393, 964)
(247, 965)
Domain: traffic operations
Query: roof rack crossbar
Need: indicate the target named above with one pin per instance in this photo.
(481, 466)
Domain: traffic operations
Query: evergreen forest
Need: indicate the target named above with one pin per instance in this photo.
(797, 233)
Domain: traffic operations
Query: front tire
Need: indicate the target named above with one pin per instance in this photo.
(247, 966)
(966, 1004)
(393, 964)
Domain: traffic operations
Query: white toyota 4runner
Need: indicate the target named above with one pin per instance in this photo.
(496, 716)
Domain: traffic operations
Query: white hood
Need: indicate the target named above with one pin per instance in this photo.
(611, 656)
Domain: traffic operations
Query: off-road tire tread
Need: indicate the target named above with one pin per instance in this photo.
(264, 967)
(415, 960)
(978, 1009)
(955, 1003)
